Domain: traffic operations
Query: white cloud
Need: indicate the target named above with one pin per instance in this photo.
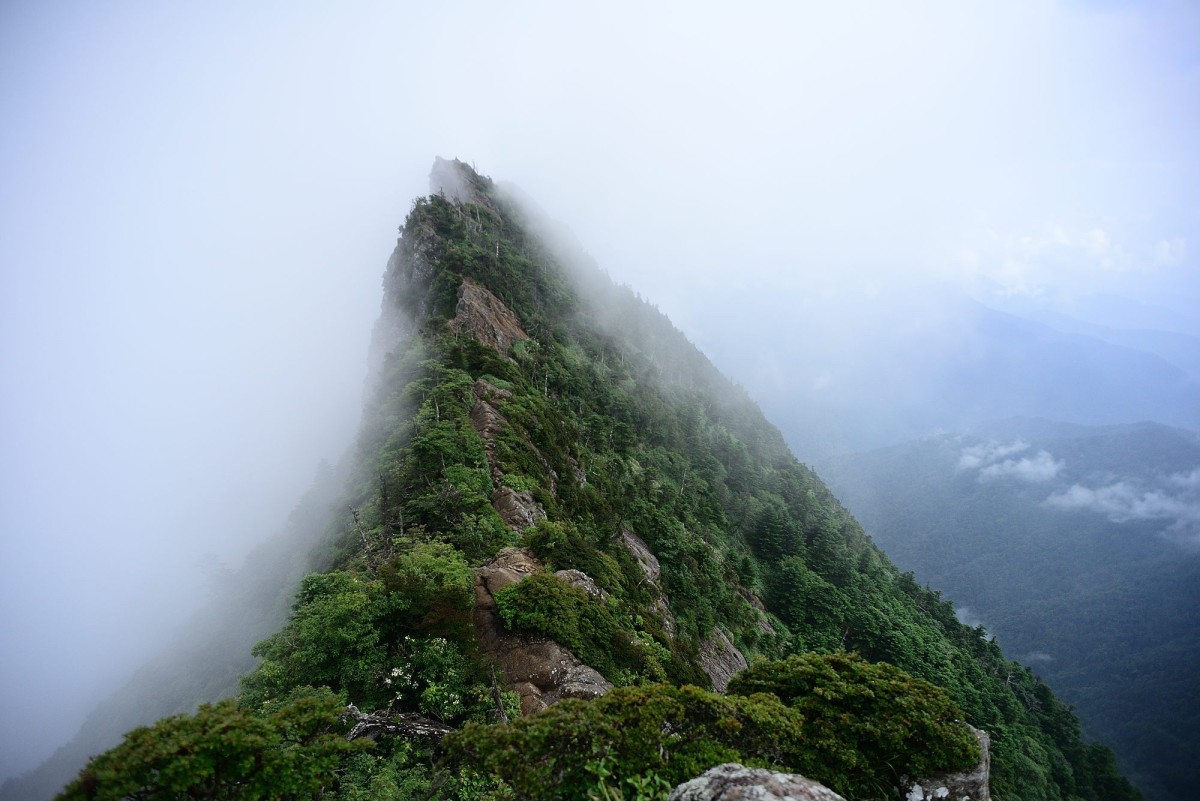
(992, 462)
(975, 456)
(1177, 502)
(1037, 468)
(1054, 257)
(967, 617)
(1187, 481)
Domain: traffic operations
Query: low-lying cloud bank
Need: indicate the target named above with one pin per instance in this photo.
(1176, 501)
(1173, 499)
(989, 458)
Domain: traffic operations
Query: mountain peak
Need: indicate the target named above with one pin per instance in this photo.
(458, 182)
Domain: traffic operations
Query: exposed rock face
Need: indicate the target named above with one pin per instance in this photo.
(487, 420)
(731, 782)
(582, 581)
(651, 569)
(971, 785)
(484, 317)
(540, 670)
(720, 659)
(764, 624)
(652, 572)
(516, 508)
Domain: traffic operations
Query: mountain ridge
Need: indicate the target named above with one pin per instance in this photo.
(602, 421)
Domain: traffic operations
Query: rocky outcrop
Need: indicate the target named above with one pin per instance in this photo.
(538, 669)
(764, 623)
(733, 782)
(484, 317)
(517, 508)
(487, 420)
(582, 581)
(720, 659)
(652, 575)
(971, 785)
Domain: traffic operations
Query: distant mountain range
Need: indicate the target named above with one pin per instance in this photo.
(850, 373)
(1079, 547)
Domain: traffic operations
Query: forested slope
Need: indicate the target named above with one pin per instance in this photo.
(530, 414)
(1077, 546)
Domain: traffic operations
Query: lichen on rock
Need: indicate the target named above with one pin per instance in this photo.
(734, 782)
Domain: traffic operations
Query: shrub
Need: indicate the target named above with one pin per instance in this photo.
(650, 736)
(544, 605)
(866, 724)
(224, 751)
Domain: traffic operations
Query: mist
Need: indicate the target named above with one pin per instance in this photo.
(198, 204)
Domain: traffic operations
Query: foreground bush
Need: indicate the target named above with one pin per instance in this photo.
(223, 752)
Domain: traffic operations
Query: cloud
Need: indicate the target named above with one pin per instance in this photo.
(1051, 258)
(989, 458)
(1120, 502)
(1187, 481)
(1036, 656)
(966, 615)
(1177, 502)
(1038, 468)
(975, 456)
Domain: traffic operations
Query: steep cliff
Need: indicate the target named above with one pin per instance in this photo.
(555, 495)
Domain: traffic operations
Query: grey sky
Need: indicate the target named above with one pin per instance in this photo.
(197, 202)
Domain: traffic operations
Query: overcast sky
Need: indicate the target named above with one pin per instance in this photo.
(197, 201)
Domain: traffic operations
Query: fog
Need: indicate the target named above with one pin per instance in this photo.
(197, 203)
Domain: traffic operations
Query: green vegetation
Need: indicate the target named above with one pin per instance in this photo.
(636, 735)
(224, 751)
(869, 723)
(542, 604)
(854, 726)
(612, 423)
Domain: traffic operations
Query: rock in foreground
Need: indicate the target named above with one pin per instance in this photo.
(732, 782)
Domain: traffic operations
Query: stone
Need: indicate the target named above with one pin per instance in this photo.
(517, 509)
(487, 420)
(582, 581)
(734, 782)
(646, 559)
(970, 785)
(538, 669)
(484, 317)
(720, 659)
(652, 574)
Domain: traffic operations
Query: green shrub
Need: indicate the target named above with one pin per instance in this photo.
(650, 736)
(566, 547)
(224, 751)
(543, 604)
(867, 724)
(438, 585)
(334, 639)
